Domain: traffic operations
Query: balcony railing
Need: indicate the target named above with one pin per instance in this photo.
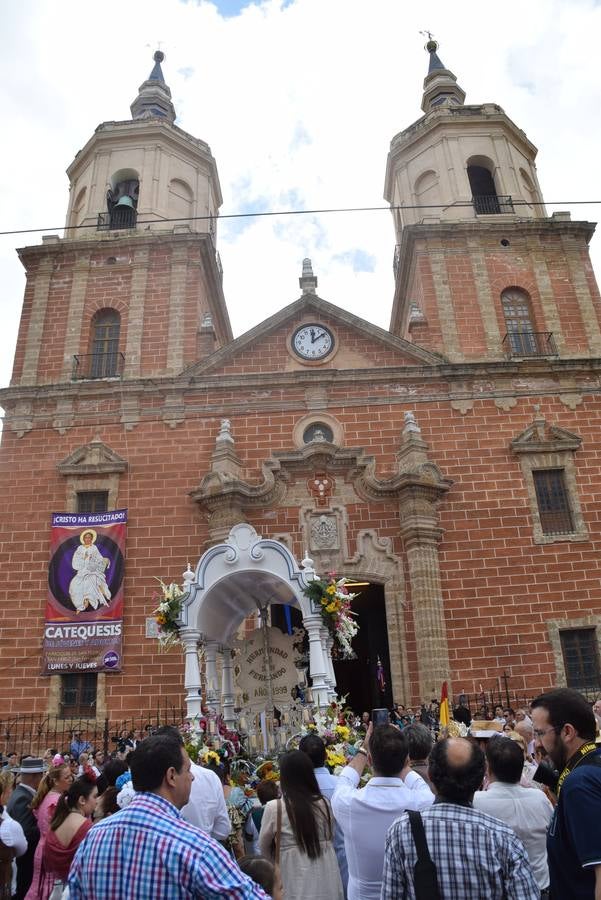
(98, 365)
(118, 220)
(529, 343)
(492, 205)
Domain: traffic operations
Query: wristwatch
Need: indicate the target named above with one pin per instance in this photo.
(362, 750)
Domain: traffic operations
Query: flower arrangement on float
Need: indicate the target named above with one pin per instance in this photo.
(167, 613)
(335, 725)
(333, 599)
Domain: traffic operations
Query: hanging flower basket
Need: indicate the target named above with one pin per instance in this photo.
(333, 599)
(167, 614)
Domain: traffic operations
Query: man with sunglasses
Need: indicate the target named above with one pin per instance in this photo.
(565, 727)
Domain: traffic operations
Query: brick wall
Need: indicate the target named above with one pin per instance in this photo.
(499, 588)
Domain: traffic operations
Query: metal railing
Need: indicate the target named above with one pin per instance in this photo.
(98, 365)
(492, 205)
(33, 734)
(118, 220)
(529, 343)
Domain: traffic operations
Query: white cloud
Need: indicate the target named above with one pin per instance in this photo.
(298, 102)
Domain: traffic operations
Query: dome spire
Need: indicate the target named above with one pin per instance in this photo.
(154, 97)
(440, 85)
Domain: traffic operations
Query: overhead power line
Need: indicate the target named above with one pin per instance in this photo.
(298, 212)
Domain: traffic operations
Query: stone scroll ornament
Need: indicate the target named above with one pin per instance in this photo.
(333, 599)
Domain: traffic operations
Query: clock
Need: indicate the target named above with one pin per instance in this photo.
(312, 341)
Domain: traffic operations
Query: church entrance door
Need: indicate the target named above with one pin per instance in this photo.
(358, 678)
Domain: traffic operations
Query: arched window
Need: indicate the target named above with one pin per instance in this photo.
(530, 191)
(105, 355)
(122, 199)
(519, 322)
(180, 201)
(482, 183)
(427, 193)
(79, 207)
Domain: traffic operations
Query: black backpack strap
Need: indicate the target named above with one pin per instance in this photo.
(425, 878)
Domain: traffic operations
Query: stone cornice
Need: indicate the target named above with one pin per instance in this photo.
(470, 228)
(448, 372)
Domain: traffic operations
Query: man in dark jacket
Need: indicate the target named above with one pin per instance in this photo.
(30, 775)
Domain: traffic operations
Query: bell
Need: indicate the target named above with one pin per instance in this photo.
(125, 201)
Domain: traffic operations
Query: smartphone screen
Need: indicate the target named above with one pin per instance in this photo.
(380, 717)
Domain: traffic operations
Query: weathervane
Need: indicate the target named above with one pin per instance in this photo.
(432, 44)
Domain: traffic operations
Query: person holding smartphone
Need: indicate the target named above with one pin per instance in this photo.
(365, 814)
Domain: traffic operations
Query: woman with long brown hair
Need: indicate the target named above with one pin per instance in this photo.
(55, 781)
(307, 858)
(71, 822)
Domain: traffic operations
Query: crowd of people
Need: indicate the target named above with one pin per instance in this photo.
(502, 807)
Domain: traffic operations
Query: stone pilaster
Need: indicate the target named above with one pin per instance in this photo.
(36, 322)
(485, 298)
(135, 320)
(177, 299)
(583, 295)
(444, 302)
(547, 298)
(76, 306)
(421, 535)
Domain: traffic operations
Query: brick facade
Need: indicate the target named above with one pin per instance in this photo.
(439, 510)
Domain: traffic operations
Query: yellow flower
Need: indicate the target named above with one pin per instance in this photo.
(213, 757)
(324, 600)
(343, 732)
(331, 589)
(331, 607)
(334, 759)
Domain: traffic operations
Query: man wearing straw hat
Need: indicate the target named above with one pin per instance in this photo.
(18, 807)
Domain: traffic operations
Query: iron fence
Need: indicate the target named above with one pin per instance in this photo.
(98, 365)
(492, 205)
(529, 343)
(32, 734)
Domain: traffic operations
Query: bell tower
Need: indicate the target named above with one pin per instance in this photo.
(476, 254)
(134, 288)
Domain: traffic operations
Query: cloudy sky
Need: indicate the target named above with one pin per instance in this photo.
(299, 100)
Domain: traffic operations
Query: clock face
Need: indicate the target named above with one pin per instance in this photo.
(312, 341)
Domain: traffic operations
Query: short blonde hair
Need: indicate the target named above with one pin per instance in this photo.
(7, 780)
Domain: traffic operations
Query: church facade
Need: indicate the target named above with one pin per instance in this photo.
(451, 464)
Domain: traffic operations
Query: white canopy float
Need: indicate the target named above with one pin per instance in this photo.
(232, 580)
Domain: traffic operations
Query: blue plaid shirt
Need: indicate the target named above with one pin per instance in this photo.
(475, 856)
(147, 850)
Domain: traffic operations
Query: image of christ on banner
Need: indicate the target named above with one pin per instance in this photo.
(84, 605)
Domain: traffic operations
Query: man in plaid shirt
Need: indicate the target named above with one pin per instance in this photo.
(147, 850)
(475, 855)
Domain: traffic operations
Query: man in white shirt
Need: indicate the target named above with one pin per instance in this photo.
(524, 809)
(365, 814)
(206, 807)
(314, 747)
